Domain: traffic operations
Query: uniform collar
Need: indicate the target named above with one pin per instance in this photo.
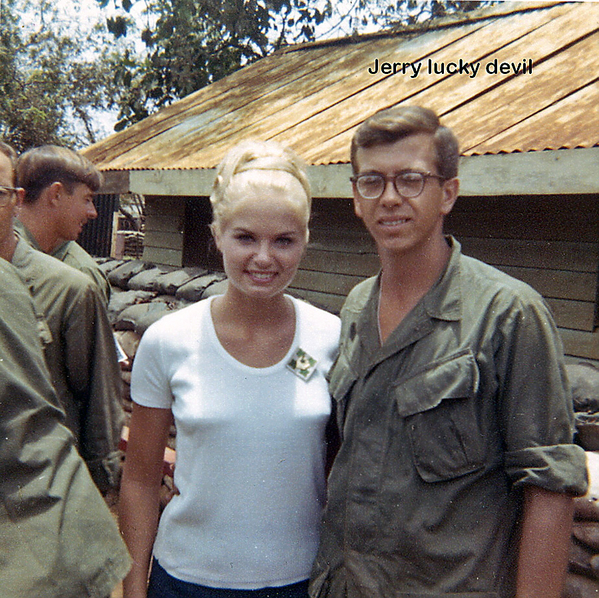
(442, 302)
(25, 234)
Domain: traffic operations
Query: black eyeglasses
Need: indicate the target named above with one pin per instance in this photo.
(408, 183)
(5, 194)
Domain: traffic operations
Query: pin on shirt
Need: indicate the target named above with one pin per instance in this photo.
(302, 364)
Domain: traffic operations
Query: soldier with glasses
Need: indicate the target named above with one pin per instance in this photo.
(57, 536)
(78, 342)
(457, 468)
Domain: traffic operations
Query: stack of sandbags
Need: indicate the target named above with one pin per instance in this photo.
(583, 576)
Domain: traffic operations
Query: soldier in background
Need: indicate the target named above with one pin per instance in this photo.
(57, 537)
(59, 188)
(77, 340)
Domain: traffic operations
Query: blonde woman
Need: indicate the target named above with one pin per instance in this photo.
(243, 377)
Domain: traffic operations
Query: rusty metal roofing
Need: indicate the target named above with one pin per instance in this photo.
(313, 96)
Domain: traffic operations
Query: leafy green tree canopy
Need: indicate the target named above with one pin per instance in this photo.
(192, 43)
(51, 84)
(188, 44)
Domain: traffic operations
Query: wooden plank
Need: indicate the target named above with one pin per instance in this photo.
(549, 218)
(164, 239)
(550, 172)
(158, 255)
(577, 315)
(342, 219)
(338, 284)
(340, 263)
(165, 205)
(558, 255)
(331, 303)
(338, 239)
(567, 171)
(182, 183)
(581, 344)
(558, 284)
(115, 182)
(163, 224)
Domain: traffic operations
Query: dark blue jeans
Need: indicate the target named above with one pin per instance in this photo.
(163, 585)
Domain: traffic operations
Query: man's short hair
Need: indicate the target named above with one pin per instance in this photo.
(392, 124)
(40, 167)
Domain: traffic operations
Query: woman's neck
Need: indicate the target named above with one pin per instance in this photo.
(256, 332)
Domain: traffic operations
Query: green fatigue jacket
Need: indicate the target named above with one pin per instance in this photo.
(465, 403)
(81, 356)
(72, 254)
(57, 537)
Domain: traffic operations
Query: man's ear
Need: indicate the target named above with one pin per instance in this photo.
(357, 206)
(53, 193)
(451, 189)
(20, 196)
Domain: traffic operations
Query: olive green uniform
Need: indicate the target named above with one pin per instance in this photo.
(57, 537)
(72, 254)
(81, 356)
(464, 404)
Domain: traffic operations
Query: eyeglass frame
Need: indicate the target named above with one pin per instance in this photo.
(7, 192)
(393, 178)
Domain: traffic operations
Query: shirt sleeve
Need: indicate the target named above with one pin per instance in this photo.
(535, 404)
(150, 383)
(95, 379)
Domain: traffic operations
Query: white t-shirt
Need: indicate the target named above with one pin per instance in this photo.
(250, 450)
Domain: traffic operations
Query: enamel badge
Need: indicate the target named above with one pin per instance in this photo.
(302, 365)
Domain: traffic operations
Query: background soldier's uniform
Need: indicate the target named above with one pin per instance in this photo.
(72, 254)
(57, 537)
(80, 353)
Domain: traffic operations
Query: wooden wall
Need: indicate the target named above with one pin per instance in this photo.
(550, 242)
(164, 228)
(339, 245)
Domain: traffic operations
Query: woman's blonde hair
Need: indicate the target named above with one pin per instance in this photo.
(263, 157)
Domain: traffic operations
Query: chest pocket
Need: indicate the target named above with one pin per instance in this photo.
(443, 419)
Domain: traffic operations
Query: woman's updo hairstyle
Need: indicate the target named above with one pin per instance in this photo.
(256, 164)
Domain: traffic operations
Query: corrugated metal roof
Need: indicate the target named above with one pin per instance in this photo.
(312, 96)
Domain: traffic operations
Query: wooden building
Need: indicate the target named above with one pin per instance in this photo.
(518, 83)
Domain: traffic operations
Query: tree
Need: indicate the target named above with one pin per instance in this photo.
(51, 84)
(189, 44)
(192, 43)
(368, 15)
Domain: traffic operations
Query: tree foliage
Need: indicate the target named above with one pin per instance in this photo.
(368, 14)
(188, 44)
(50, 84)
(192, 43)
(150, 53)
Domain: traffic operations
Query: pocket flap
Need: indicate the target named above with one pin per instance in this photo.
(341, 380)
(454, 377)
